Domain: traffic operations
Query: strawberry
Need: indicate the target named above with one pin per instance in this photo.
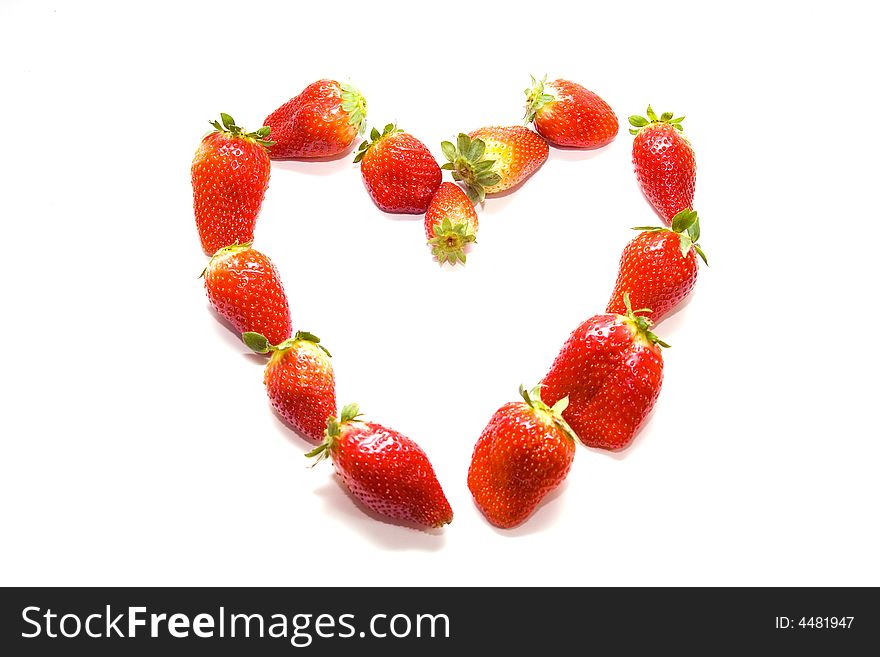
(524, 453)
(384, 469)
(244, 287)
(611, 369)
(450, 224)
(230, 174)
(567, 114)
(658, 268)
(492, 160)
(322, 121)
(664, 163)
(398, 170)
(299, 381)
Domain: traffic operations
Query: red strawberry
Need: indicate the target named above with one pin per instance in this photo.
(567, 114)
(664, 163)
(322, 121)
(385, 470)
(299, 380)
(230, 174)
(450, 224)
(611, 369)
(243, 286)
(399, 171)
(659, 267)
(492, 160)
(524, 452)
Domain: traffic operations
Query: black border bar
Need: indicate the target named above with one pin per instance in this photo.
(704, 621)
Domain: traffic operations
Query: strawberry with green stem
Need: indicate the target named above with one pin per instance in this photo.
(450, 224)
(244, 287)
(385, 470)
(299, 381)
(522, 455)
(495, 159)
(323, 120)
(611, 370)
(658, 268)
(664, 163)
(568, 114)
(230, 175)
(399, 172)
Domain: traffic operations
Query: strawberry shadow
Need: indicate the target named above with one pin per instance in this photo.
(383, 532)
(495, 203)
(405, 217)
(400, 216)
(573, 154)
(316, 166)
(563, 153)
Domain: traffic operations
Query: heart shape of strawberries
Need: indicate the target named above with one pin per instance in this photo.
(604, 380)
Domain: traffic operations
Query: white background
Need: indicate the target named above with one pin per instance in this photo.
(138, 444)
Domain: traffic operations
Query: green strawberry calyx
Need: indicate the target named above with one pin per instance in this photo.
(551, 414)
(350, 413)
(449, 241)
(639, 324)
(354, 103)
(260, 136)
(536, 99)
(468, 164)
(375, 138)
(258, 343)
(639, 122)
(223, 253)
(686, 224)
